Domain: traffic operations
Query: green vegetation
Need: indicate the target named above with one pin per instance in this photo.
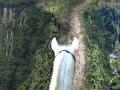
(101, 23)
(11, 1)
(26, 57)
(60, 8)
(28, 64)
(15, 2)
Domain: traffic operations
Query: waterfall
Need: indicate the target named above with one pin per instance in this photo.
(6, 44)
(9, 15)
(4, 15)
(8, 19)
(11, 19)
(114, 57)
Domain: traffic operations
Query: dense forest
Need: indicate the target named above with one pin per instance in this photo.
(26, 30)
(26, 56)
(102, 27)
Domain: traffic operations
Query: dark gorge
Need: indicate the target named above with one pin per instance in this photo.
(22, 49)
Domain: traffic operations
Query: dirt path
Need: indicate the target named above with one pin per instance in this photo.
(76, 30)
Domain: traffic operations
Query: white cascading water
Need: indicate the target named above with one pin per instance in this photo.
(4, 15)
(7, 18)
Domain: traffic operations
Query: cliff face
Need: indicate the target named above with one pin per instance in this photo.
(25, 33)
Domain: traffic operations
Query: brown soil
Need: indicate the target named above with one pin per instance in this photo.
(76, 29)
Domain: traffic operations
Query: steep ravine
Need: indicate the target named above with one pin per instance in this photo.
(76, 29)
(9, 14)
(21, 28)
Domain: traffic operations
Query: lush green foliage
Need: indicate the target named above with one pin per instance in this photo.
(25, 54)
(26, 58)
(60, 8)
(30, 62)
(11, 2)
(101, 24)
